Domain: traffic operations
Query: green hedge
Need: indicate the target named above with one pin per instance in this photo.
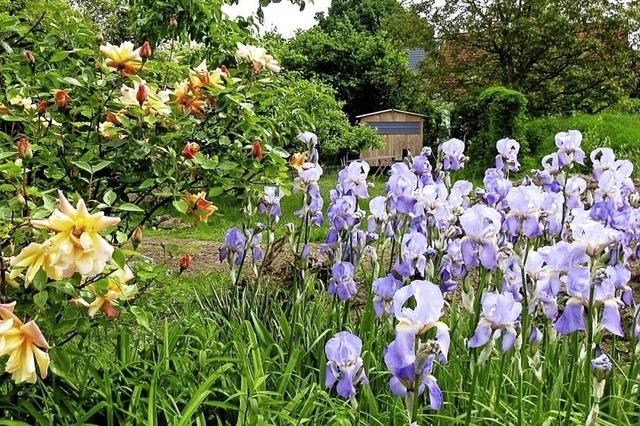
(502, 114)
(493, 114)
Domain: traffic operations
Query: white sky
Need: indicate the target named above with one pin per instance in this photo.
(285, 17)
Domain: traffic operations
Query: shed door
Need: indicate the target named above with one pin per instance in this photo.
(396, 127)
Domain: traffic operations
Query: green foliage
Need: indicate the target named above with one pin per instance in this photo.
(409, 30)
(618, 131)
(627, 106)
(310, 105)
(119, 138)
(494, 114)
(221, 355)
(365, 15)
(353, 142)
(367, 70)
(565, 55)
(502, 113)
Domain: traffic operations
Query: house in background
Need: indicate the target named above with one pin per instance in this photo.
(416, 57)
(402, 131)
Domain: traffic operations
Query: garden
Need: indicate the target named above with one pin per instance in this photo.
(189, 236)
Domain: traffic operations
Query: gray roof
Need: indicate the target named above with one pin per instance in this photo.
(416, 56)
(390, 110)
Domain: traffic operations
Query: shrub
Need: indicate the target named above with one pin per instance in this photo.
(491, 115)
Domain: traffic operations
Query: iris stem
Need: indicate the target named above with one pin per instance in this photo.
(572, 383)
(416, 383)
(502, 362)
(472, 392)
(587, 361)
(345, 315)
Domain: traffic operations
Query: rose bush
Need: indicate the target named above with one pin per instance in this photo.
(95, 138)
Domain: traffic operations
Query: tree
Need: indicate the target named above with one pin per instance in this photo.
(563, 54)
(367, 70)
(409, 30)
(364, 15)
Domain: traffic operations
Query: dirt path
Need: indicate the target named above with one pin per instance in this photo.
(204, 254)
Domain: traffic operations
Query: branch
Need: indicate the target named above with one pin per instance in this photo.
(33, 27)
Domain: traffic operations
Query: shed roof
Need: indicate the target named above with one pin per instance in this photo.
(391, 110)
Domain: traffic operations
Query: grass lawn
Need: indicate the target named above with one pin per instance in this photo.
(229, 212)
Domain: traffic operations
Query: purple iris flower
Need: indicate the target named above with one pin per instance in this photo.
(594, 236)
(342, 283)
(422, 167)
(308, 138)
(270, 202)
(496, 186)
(233, 247)
(604, 295)
(601, 366)
(307, 174)
(344, 213)
(547, 286)
(315, 204)
(507, 158)
(307, 181)
(569, 150)
(620, 275)
(403, 378)
(573, 190)
(413, 322)
(453, 154)
(552, 208)
(548, 177)
(499, 319)
(602, 159)
(524, 211)
(353, 179)
(452, 268)
(379, 218)
(432, 202)
(459, 194)
(400, 187)
(481, 225)
(345, 368)
(512, 278)
(255, 245)
(311, 140)
(413, 254)
(614, 188)
(619, 171)
(384, 290)
(573, 316)
(360, 241)
(554, 268)
(535, 338)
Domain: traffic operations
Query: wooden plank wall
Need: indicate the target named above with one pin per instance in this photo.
(391, 151)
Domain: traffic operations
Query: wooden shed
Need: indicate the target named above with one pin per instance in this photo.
(403, 132)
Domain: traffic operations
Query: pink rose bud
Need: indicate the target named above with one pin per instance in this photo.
(145, 50)
(136, 237)
(24, 148)
(62, 98)
(43, 106)
(141, 96)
